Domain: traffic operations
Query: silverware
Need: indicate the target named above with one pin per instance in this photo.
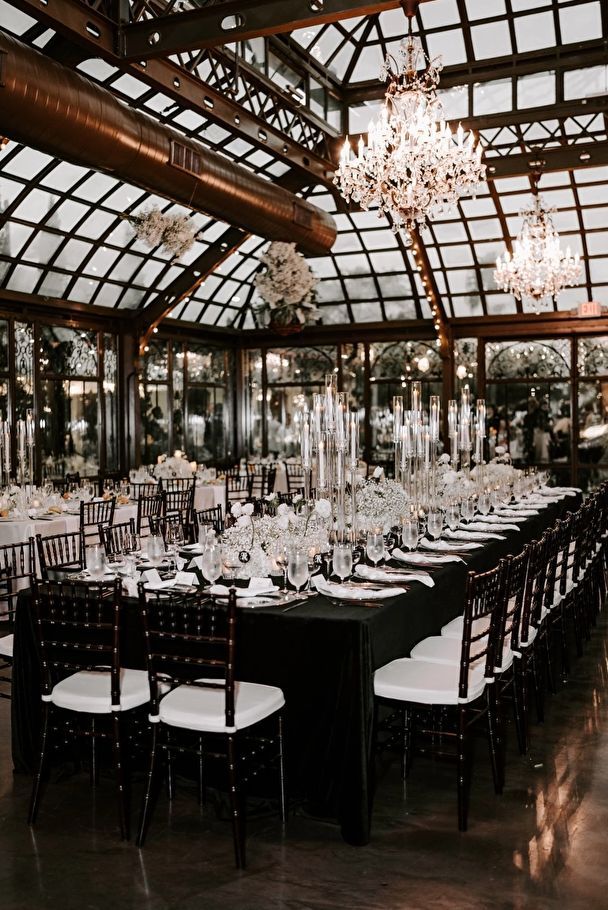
(292, 606)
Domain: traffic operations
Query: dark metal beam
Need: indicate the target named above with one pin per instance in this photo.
(566, 158)
(186, 283)
(99, 35)
(237, 20)
(558, 59)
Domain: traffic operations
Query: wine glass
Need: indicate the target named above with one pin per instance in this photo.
(452, 516)
(409, 532)
(96, 561)
(434, 523)
(343, 560)
(212, 563)
(483, 503)
(156, 549)
(281, 558)
(297, 568)
(467, 509)
(495, 498)
(375, 545)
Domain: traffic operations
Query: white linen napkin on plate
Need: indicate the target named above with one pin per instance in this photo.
(417, 558)
(346, 592)
(256, 587)
(373, 574)
(442, 547)
(154, 582)
(505, 514)
(490, 526)
(465, 534)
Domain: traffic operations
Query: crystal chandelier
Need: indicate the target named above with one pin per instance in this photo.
(537, 267)
(413, 164)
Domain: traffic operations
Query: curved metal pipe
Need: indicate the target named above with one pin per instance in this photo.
(60, 112)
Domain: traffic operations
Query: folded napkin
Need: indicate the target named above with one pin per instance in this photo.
(417, 558)
(257, 586)
(346, 592)
(559, 491)
(382, 575)
(489, 526)
(463, 534)
(154, 582)
(541, 502)
(514, 513)
(442, 546)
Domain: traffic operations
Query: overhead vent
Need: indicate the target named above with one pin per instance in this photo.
(186, 159)
(301, 215)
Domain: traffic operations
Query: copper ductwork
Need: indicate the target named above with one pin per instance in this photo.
(60, 112)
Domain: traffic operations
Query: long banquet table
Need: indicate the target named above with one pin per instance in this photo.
(324, 658)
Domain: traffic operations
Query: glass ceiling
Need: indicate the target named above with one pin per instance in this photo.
(63, 232)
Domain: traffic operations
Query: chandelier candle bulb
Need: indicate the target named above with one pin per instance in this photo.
(481, 417)
(434, 418)
(321, 465)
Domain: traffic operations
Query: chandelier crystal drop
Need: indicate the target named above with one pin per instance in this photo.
(413, 166)
(537, 267)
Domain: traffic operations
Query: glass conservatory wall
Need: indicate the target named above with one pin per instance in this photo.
(592, 360)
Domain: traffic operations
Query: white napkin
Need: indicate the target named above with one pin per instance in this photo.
(541, 501)
(490, 526)
(257, 586)
(416, 558)
(463, 534)
(559, 491)
(192, 548)
(196, 563)
(185, 578)
(344, 592)
(514, 513)
(129, 586)
(154, 582)
(442, 547)
(381, 575)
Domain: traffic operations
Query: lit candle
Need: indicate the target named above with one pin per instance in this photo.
(21, 436)
(29, 427)
(340, 417)
(427, 447)
(416, 399)
(397, 417)
(354, 437)
(321, 480)
(452, 417)
(434, 415)
(317, 418)
(330, 394)
(305, 444)
(7, 447)
(481, 417)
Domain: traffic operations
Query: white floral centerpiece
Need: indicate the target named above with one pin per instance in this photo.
(380, 502)
(286, 285)
(249, 544)
(176, 465)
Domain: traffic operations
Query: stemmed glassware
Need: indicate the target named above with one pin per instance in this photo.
(281, 557)
(297, 568)
(434, 523)
(96, 561)
(375, 545)
(409, 532)
(211, 563)
(467, 509)
(452, 516)
(343, 560)
(484, 503)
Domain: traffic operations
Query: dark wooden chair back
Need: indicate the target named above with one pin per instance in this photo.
(143, 489)
(295, 477)
(149, 508)
(113, 536)
(237, 489)
(176, 483)
(93, 514)
(190, 640)
(531, 611)
(61, 551)
(211, 518)
(513, 602)
(77, 626)
(484, 599)
(17, 569)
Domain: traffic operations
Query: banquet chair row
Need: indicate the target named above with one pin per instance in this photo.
(515, 618)
(189, 693)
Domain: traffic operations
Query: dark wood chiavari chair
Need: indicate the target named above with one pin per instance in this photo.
(556, 603)
(170, 484)
(137, 490)
(237, 489)
(61, 551)
(94, 514)
(418, 684)
(17, 569)
(295, 477)
(64, 484)
(179, 504)
(114, 537)
(261, 480)
(110, 479)
(190, 644)
(211, 518)
(82, 681)
(149, 508)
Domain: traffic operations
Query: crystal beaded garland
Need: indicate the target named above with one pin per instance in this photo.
(537, 267)
(413, 163)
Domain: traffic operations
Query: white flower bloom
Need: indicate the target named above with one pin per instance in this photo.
(500, 450)
(283, 522)
(444, 458)
(247, 508)
(378, 472)
(283, 509)
(236, 509)
(323, 508)
(243, 521)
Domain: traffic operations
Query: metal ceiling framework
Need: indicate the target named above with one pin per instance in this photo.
(228, 92)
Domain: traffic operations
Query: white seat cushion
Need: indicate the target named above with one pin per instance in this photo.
(89, 691)
(424, 682)
(454, 628)
(441, 649)
(6, 646)
(194, 708)
(523, 644)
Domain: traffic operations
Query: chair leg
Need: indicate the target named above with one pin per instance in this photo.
(464, 770)
(282, 795)
(238, 827)
(406, 754)
(146, 809)
(121, 789)
(563, 630)
(94, 764)
(201, 773)
(520, 707)
(44, 743)
(546, 634)
(495, 738)
(538, 689)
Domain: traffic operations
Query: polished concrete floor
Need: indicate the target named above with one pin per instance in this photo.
(541, 845)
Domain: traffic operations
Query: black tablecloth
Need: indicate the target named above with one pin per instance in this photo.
(323, 657)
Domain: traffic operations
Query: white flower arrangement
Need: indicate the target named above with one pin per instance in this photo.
(286, 286)
(380, 504)
(175, 233)
(173, 466)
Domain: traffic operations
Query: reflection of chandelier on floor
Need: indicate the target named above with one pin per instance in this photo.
(413, 163)
(537, 267)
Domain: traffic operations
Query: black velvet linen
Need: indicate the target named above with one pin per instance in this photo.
(323, 657)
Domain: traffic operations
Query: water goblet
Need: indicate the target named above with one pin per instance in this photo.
(467, 509)
(297, 568)
(452, 516)
(484, 503)
(96, 561)
(343, 560)
(409, 532)
(434, 523)
(212, 563)
(281, 558)
(375, 545)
